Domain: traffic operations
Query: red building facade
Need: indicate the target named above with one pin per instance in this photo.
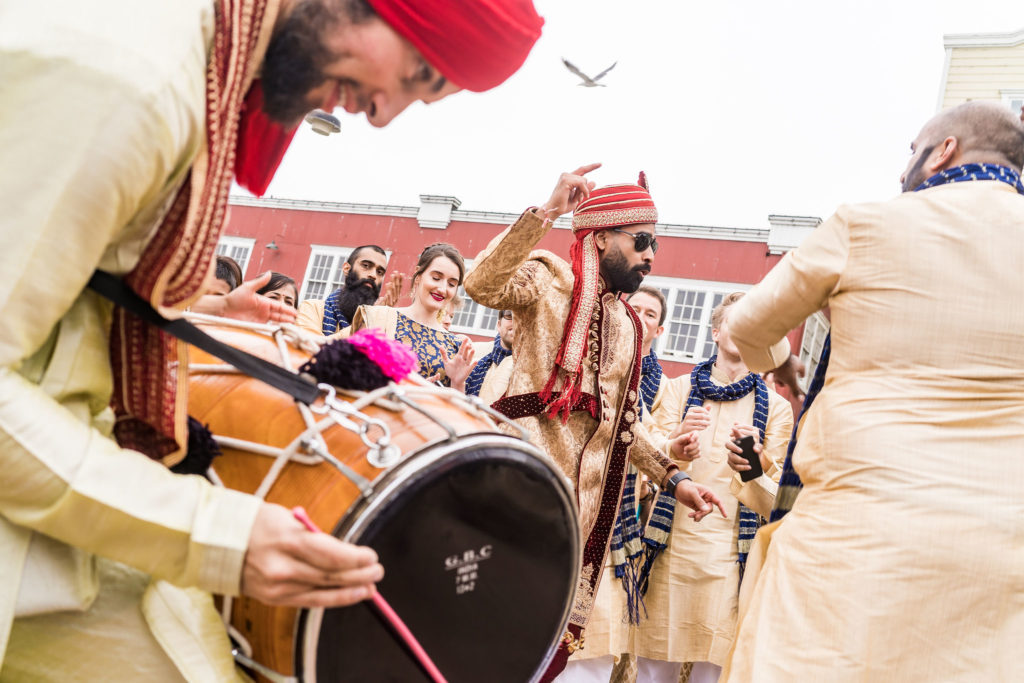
(695, 267)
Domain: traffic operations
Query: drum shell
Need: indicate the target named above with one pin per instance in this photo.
(239, 407)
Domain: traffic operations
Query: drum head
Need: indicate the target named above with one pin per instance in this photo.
(480, 549)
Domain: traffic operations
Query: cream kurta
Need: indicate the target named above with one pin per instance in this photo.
(311, 316)
(102, 111)
(496, 380)
(902, 557)
(537, 286)
(691, 601)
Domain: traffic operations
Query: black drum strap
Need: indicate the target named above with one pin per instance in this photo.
(113, 288)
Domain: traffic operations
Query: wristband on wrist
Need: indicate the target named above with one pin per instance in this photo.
(673, 481)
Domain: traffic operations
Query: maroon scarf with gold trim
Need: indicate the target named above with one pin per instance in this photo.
(149, 366)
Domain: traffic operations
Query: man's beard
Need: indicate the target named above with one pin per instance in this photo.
(356, 294)
(294, 62)
(619, 276)
(915, 177)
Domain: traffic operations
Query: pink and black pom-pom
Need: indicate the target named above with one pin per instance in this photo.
(365, 361)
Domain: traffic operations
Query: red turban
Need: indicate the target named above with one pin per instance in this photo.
(606, 207)
(475, 44)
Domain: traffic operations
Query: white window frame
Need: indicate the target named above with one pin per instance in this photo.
(338, 256)
(1013, 97)
(474, 318)
(816, 328)
(674, 289)
(238, 248)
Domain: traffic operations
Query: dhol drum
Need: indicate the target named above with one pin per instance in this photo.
(476, 529)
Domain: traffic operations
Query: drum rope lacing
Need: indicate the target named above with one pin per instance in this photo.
(309, 447)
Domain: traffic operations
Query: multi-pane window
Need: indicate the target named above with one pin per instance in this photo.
(237, 248)
(687, 336)
(323, 273)
(473, 318)
(816, 328)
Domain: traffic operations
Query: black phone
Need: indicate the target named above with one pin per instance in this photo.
(755, 471)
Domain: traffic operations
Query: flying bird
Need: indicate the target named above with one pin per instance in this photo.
(588, 82)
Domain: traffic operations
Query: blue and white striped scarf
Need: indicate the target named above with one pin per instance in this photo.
(627, 537)
(475, 381)
(789, 482)
(650, 379)
(334, 319)
(959, 174)
(702, 389)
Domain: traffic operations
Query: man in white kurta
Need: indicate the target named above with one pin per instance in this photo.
(692, 599)
(901, 558)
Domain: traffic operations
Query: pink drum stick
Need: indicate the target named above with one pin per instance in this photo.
(389, 614)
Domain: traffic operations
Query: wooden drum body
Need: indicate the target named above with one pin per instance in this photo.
(477, 530)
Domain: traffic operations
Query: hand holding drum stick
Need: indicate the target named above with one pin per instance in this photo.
(385, 611)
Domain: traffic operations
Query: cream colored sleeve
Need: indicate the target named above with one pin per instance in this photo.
(759, 494)
(668, 411)
(800, 284)
(70, 181)
(503, 276)
(311, 316)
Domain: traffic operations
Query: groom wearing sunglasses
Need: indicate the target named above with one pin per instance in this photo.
(576, 366)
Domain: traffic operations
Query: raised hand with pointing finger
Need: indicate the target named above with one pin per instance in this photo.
(570, 190)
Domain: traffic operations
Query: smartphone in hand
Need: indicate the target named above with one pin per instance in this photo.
(755, 471)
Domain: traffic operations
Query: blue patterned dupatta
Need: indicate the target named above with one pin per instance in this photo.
(334, 319)
(789, 482)
(475, 381)
(627, 537)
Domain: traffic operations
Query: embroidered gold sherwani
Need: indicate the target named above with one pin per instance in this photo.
(537, 286)
(902, 557)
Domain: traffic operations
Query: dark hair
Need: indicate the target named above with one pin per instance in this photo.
(435, 250)
(229, 271)
(357, 11)
(351, 261)
(277, 281)
(656, 293)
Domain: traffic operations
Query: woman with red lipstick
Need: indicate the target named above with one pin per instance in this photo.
(435, 282)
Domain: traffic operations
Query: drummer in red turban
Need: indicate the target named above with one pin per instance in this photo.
(108, 557)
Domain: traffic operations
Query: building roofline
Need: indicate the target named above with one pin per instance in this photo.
(983, 39)
(489, 217)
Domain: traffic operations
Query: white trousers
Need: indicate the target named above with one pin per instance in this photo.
(596, 670)
(599, 670)
(657, 671)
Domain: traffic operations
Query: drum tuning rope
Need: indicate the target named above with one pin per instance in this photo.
(361, 482)
(382, 453)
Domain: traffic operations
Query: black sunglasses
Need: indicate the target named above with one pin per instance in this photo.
(641, 240)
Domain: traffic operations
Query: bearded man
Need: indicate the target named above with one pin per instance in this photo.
(900, 556)
(363, 273)
(134, 179)
(577, 389)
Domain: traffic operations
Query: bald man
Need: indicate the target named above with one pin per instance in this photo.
(900, 560)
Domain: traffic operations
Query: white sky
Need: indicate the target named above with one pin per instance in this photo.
(735, 110)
